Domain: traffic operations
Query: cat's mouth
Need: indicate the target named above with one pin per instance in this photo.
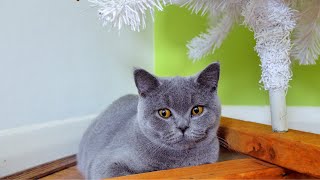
(183, 143)
(186, 141)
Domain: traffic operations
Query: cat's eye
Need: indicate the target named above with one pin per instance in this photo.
(165, 113)
(197, 110)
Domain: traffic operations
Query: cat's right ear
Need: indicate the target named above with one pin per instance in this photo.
(145, 81)
(209, 77)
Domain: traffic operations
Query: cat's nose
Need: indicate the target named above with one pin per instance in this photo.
(183, 128)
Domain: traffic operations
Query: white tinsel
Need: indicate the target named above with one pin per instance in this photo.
(208, 42)
(203, 6)
(272, 22)
(128, 12)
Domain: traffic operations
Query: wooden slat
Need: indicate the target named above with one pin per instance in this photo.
(295, 150)
(69, 173)
(233, 169)
(44, 169)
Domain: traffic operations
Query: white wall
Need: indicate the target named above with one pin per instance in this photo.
(302, 118)
(57, 62)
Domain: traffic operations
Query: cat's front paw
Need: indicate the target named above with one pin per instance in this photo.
(109, 169)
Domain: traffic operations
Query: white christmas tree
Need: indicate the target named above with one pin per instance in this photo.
(272, 22)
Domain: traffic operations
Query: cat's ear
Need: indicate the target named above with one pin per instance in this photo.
(145, 81)
(209, 77)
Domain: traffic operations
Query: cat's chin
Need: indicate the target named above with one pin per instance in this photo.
(184, 143)
(182, 146)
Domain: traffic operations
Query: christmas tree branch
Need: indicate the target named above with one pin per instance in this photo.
(126, 12)
(207, 43)
(306, 37)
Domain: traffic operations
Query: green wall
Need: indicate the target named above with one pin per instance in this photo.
(240, 70)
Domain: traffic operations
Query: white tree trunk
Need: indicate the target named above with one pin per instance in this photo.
(272, 22)
(278, 110)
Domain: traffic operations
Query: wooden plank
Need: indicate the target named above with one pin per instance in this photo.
(73, 173)
(44, 169)
(69, 173)
(295, 150)
(240, 168)
(272, 173)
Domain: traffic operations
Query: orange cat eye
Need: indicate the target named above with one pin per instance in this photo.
(197, 110)
(164, 113)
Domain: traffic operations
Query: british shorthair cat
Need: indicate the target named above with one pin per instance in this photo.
(172, 123)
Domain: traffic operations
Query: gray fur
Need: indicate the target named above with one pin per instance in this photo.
(130, 137)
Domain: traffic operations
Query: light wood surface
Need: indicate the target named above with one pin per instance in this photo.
(235, 169)
(69, 173)
(295, 150)
(232, 169)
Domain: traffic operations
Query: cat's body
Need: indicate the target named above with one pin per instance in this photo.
(132, 137)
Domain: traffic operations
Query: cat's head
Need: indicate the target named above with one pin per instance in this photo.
(179, 112)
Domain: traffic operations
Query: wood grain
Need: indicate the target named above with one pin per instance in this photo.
(294, 150)
(233, 169)
(69, 173)
(44, 169)
(271, 173)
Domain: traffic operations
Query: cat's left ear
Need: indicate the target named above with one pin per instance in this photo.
(209, 77)
(145, 81)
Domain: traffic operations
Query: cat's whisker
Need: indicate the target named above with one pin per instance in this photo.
(156, 150)
(226, 145)
(198, 134)
(175, 139)
(220, 138)
(199, 131)
(223, 142)
(169, 135)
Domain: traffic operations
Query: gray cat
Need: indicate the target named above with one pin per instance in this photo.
(172, 123)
